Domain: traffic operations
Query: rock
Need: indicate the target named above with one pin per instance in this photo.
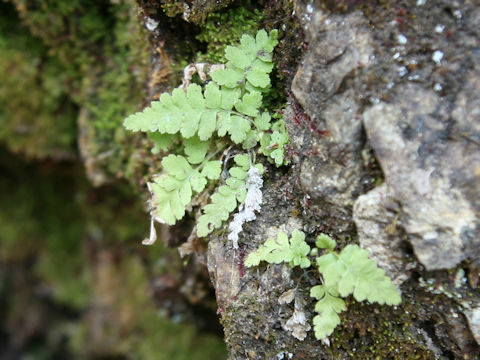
(429, 173)
(473, 318)
(339, 45)
(375, 215)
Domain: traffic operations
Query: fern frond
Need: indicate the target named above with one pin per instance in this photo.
(275, 251)
(250, 63)
(273, 145)
(229, 105)
(172, 191)
(355, 273)
(328, 306)
(226, 198)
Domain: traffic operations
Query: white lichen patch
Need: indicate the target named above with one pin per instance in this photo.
(252, 203)
(297, 324)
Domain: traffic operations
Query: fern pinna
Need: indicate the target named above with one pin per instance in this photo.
(206, 120)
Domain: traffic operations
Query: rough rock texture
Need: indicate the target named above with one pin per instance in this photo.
(430, 174)
(376, 217)
(383, 119)
(339, 46)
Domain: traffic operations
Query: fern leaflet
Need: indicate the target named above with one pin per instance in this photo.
(275, 251)
(225, 199)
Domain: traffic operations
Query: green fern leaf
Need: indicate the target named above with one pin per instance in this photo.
(142, 121)
(249, 104)
(208, 124)
(281, 249)
(195, 149)
(328, 306)
(238, 128)
(226, 198)
(229, 97)
(212, 95)
(258, 78)
(267, 42)
(161, 141)
(177, 166)
(212, 170)
(273, 145)
(242, 160)
(194, 97)
(172, 191)
(355, 273)
(262, 121)
(229, 105)
(198, 182)
(229, 77)
(251, 139)
(325, 242)
(238, 57)
(262, 66)
(167, 195)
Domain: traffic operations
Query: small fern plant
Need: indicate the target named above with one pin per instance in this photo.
(197, 124)
(346, 272)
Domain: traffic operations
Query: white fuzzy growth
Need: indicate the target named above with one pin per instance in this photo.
(298, 324)
(153, 234)
(247, 209)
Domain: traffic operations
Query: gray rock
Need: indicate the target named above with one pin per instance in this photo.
(421, 163)
(376, 216)
(473, 317)
(339, 46)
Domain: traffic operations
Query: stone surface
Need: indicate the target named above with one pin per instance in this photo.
(473, 318)
(430, 174)
(340, 45)
(376, 215)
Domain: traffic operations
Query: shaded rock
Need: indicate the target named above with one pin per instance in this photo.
(339, 46)
(359, 72)
(411, 139)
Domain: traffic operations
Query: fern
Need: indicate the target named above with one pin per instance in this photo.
(273, 144)
(172, 191)
(353, 272)
(229, 106)
(344, 273)
(329, 305)
(275, 251)
(226, 198)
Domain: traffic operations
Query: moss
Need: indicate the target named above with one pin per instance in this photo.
(123, 288)
(369, 332)
(194, 11)
(91, 55)
(226, 28)
(36, 116)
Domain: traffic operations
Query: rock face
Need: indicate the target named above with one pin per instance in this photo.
(430, 173)
(339, 46)
(384, 120)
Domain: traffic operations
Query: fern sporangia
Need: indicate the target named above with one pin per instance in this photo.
(347, 272)
(206, 120)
